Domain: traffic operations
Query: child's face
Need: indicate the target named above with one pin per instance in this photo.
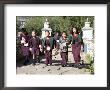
(33, 34)
(47, 34)
(23, 39)
(74, 29)
(64, 35)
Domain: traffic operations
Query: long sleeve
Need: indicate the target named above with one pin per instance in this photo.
(70, 38)
(80, 38)
(43, 42)
(30, 43)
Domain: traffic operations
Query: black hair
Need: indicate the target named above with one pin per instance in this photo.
(47, 31)
(64, 32)
(25, 33)
(23, 30)
(77, 30)
(33, 31)
(26, 38)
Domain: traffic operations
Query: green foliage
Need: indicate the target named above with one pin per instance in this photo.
(34, 23)
(57, 23)
(91, 68)
(17, 24)
(91, 63)
(89, 58)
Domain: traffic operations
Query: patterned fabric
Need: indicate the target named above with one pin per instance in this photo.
(63, 45)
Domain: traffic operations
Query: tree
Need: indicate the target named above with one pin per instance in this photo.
(57, 23)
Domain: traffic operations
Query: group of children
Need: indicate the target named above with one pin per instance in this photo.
(35, 45)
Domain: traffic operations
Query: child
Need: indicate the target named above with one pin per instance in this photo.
(76, 41)
(35, 47)
(56, 38)
(25, 49)
(48, 43)
(64, 48)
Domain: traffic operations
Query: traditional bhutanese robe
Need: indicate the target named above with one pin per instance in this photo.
(48, 46)
(64, 50)
(25, 49)
(76, 47)
(34, 44)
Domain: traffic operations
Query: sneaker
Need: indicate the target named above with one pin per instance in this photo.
(34, 62)
(80, 66)
(46, 64)
(25, 63)
(51, 64)
(63, 65)
(76, 65)
(38, 61)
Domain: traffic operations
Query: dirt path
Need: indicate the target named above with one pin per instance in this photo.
(56, 68)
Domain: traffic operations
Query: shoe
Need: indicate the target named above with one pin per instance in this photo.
(25, 63)
(34, 62)
(46, 64)
(51, 64)
(82, 62)
(63, 65)
(72, 65)
(79, 66)
(76, 65)
(38, 61)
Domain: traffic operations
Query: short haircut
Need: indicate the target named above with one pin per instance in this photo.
(77, 30)
(64, 32)
(34, 31)
(47, 31)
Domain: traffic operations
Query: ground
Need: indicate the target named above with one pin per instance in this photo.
(56, 67)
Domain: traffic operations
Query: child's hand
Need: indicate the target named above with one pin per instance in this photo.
(22, 41)
(40, 46)
(82, 49)
(70, 45)
(30, 49)
(58, 41)
(41, 49)
(26, 44)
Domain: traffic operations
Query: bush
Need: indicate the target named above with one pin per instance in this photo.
(57, 23)
(91, 63)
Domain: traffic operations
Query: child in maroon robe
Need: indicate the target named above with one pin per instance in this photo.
(35, 47)
(25, 49)
(76, 41)
(48, 44)
(56, 38)
(64, 48)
